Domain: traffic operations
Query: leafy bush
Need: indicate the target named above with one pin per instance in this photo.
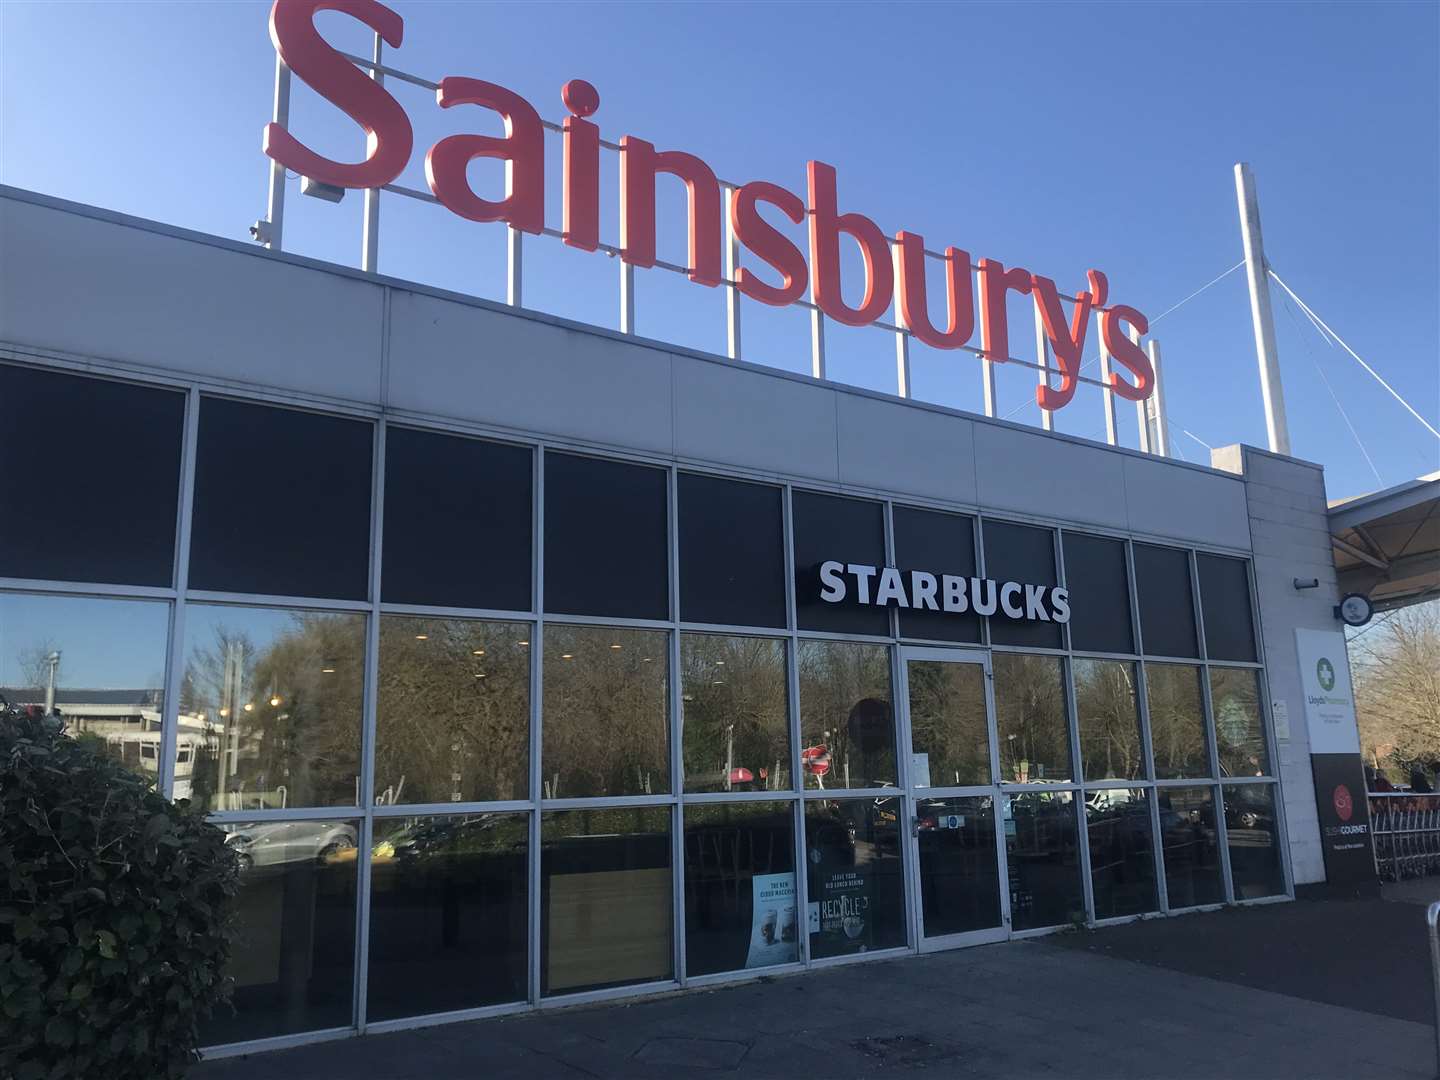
(114, 914)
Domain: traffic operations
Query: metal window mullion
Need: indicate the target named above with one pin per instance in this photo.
(369, 710)
(537, 694)
(792, 708)
(909, 811)
(1072, 713)
(978, 536)
(97, 590)
(1221, 832)
(175, 644)
(674, 729)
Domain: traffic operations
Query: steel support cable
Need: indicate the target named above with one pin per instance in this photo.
(1356, 356)
(1290, 311)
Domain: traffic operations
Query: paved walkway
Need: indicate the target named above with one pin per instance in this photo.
(1287, 990)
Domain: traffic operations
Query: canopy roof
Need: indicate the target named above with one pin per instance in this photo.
(1387, 543)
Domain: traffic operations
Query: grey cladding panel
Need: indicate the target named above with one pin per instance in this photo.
(1171, 500)
(1048, 477)
(904, 449)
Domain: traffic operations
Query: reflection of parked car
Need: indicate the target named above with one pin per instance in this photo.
(276, 842)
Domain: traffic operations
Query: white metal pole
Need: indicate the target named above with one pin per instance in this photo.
(987, 374)
(902, 339)
(1142, 415)
(1108, 396)
(732, 273)
(1276, 428)
(627, 298)
(1042, 357)
(817, 340)
(279, 114)
(370, 238)
(1161, 443)
(514, 266)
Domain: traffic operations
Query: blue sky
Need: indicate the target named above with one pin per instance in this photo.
(1057, 137)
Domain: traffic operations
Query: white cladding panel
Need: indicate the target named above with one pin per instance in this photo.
(1207, 507)
(1040, 475)
(899, 448)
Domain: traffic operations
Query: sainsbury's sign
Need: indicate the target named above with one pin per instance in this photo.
(897, 276)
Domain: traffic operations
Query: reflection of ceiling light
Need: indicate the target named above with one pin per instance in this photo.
(422, 637)
(719, 682)
(721, 663)
(478, 652)
(617, 646)
(567, 656)
(644, 659)
(327, 671)
(275, 701)
(249, 706)
(224, 712)
(522, 643)
(480, 674)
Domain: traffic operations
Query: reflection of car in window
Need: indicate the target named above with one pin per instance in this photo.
(279, 842)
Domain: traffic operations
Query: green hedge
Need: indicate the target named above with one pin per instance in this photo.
(114, 914)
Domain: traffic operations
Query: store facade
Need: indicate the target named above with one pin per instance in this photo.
(529, 663)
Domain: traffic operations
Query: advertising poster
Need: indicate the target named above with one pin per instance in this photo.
(1344, 819)
(1329, 704)
(840, 912)
(774, 937)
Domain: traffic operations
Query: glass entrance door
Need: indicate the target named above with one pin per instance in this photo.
(957, 855)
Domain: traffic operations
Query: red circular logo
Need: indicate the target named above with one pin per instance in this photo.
(1344, 804)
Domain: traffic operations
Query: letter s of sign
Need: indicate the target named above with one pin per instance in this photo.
(1060, 602)
(832, 584)
(1127, 353)
(768, 243)
(522, 149)
(324, 70)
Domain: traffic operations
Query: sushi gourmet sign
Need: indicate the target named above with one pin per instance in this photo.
(900, 277)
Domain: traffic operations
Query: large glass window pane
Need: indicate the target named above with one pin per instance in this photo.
(735, 723)
(949, 725)
(273, 699)
(1031, 720)
(1099, 586)
(452, 722)
(89, 478)
(606, 538)
(732, 552)
(1043, 852)
(282, 502)
(1025, 554)
(847, 724)
(100, 664)
(606, 917)
(1253, 837)
(828, 527)
(449, 917)
(1239, 729)
(740, 902)
(959, 870)
(1177, 721)
(939, 544)
(1225, 603)
(1109, 710)
(293, 957)
(458, 521)
(603, 722)
(1190, 846)
(856, 885)
(1122, 857)
(1167, 609)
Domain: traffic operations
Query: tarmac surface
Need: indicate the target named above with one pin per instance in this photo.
(1337, 988)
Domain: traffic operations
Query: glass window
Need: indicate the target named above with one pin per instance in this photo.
(1043, 852)
(1025, 554)
(604, 726)
(949, 724)
(1239, 730)
(1099, 586)
(1225, 603)
(89, 478)
(1167, 609)
(606, 915)
(740, 903)
(452, 722)
(449, 918)
(1122, 858)
(1253, 838)
(458, 521)
(847, 724)
(293, 957)
(732, 552)
(282, 502)
(959, 871)
(828, 527)
(1109, 710)
(938, 544)
(272, 699)
(101, 665)
(856, 886)
(606, 538)
(1190, 846)
(1031, 720)
(734, 715)
(1177, 721)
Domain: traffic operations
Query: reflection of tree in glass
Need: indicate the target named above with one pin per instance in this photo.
(845, 693)
(604, 713)
(453, 713)
(282, 718)
(1105, 700)
(1177, 720)
(948, 721)
(1030, 718)
(1235, 699)
(733, 707)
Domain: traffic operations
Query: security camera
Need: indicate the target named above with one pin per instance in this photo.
(260, 232)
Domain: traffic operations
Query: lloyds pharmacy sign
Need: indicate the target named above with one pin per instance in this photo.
(886, 586)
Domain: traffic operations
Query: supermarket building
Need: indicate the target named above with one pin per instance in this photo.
(530, 663)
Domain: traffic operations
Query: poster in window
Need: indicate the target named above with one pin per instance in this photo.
(773, 938)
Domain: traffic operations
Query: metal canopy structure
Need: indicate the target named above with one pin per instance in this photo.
(1387, 543)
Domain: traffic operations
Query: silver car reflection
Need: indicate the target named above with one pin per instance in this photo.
(276, 842)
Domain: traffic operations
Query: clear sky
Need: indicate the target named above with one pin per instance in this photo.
(1057, 137)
